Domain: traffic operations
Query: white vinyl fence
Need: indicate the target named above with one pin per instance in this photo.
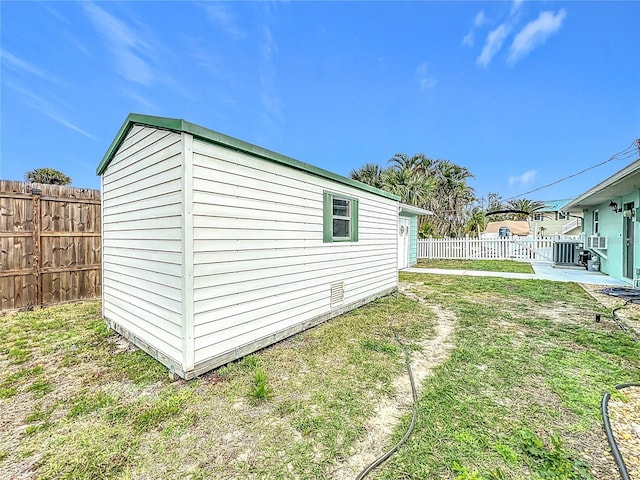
(514, 248)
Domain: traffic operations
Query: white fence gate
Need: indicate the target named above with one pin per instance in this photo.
(513, 248)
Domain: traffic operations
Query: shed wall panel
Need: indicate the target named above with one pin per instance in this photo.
(142, 223)
(260, 263)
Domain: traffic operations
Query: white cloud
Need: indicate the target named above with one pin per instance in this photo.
(493, 44)
(140, 100)
(535, 33)
(54, 13)
(46, 108)
(19, 64)
(522, 180)
(515, 6)
(469, 39)
(425, 79)
(127, 47)
(479, 20)
(223, 19)
(269, 98)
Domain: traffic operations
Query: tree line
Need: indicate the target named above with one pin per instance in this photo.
(442, 187)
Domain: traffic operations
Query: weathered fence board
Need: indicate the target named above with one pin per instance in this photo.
(50, 244)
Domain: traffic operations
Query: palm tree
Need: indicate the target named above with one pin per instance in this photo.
(495, 204)
(437, 185)
(49, 176)
(452, 198)
(476, 221)
(418, 163)
(412, 188)
(369, 173)
(524, 208)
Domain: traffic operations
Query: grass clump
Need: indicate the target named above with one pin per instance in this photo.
(553, 462)
(137, 367)
(86, 403)
(379, 346)
(260, 390)
(89, 452)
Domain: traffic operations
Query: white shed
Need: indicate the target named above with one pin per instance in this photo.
(214, 248)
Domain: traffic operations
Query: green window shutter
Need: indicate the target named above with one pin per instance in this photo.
(327, 218)
(354, 220)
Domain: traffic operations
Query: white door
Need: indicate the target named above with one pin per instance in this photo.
(403, 243)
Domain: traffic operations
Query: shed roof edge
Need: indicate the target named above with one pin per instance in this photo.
(211, 136)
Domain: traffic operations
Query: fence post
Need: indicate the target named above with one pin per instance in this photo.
(37, 228)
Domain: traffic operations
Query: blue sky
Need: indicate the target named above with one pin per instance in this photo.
(520, 93)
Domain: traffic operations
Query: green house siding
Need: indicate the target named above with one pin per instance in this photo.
(621, 228)
(611, 225)
(413, 241)
(413, 237)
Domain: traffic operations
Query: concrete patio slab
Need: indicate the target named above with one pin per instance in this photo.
(543, 271)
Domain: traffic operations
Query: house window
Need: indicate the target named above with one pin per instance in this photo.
(340, 219)
(538, 217)
(596, 230)
(561, 216)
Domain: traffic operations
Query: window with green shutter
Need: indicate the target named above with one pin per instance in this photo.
(340, 219)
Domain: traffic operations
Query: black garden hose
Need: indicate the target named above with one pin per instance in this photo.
(620, 323)
(623, 292)
(622, 468)
(384, 457)
(630, 295)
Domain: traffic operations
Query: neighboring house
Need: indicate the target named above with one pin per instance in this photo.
(611, 224)
(408, 235)
(554, 219)
(214, 248)
(506, 228)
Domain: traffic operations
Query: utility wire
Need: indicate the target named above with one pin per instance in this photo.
(630, 151)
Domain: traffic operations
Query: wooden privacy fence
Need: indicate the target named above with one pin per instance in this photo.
(50, 245)
(516, 248)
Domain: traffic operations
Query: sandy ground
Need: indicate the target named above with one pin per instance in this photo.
(388, 411)
(624, 413)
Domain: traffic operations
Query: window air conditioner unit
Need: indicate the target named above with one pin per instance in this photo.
(597, 242)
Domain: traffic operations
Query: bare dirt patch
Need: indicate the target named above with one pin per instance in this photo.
(384, 419)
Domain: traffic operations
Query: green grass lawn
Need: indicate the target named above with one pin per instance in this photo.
(479, 265)
(518, 397)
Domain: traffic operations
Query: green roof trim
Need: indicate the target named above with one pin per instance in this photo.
(204, 134)
(553, 205)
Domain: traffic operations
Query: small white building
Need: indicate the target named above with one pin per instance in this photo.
(214, 248)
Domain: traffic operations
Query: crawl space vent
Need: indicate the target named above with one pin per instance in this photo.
(337, 293)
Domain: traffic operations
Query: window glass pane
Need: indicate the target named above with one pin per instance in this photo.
(340, 228)
(341, 207)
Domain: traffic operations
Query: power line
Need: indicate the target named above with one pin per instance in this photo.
(628, 152)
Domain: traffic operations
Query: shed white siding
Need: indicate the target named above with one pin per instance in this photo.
(213, 248)
(260, 264)
(142, 239)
